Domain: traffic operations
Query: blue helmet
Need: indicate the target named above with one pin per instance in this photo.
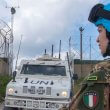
(103, 21)
(100, 15)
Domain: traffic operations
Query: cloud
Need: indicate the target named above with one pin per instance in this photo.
(45, 22)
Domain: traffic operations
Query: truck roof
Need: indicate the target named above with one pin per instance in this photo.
(45, 59)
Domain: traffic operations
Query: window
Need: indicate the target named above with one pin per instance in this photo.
(43, 70)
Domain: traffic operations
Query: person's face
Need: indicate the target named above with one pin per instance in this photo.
(102, 39)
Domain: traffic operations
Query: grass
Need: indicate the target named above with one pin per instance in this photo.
(4, 79)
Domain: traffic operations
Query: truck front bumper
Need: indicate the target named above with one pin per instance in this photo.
(35, 104)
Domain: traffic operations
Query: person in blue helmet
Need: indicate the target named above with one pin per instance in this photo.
(100, 16)
(95, 91)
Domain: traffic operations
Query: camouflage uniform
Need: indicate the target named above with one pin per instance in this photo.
(95, 91)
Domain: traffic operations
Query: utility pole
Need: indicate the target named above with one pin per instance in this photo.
(81, 31)
(13, 11)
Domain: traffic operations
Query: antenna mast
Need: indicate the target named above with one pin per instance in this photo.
(60, 49)
(52, 50)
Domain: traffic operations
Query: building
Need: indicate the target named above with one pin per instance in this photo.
(83, 68)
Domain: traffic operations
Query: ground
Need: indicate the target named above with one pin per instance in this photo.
(1, 106)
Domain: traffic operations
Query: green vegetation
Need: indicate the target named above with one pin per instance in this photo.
(77, 84)
(4, 79)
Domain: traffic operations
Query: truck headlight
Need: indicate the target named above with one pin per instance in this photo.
(10, 91)
(64, 94)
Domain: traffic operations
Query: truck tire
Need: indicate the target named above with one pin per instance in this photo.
(10, 108)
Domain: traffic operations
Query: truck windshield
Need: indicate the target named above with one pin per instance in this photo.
(44, 70)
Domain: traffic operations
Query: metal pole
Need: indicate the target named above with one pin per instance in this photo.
(81, 57)
(13, 11)
(59, 49)
(52, 50)
(10, 45)
(45, 52)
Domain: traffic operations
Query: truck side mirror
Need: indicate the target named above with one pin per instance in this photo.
(14, 75)
(75, 76)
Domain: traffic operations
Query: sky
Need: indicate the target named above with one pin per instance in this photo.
(42, 23)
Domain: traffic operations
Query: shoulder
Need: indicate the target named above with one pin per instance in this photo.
(103, 65)
(99, 72)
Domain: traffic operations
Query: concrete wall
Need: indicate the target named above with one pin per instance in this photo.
(86, 68)
(4, 67)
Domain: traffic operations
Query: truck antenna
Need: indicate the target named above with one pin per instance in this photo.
(59, 49)
(45, 52)
(52, 50)
(18, 52)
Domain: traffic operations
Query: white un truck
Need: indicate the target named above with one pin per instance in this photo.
(42, 84)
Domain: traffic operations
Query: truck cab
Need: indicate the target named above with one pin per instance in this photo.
(41, 84)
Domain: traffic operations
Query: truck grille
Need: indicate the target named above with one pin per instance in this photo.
(32, 90)
(39, 90)
(25, 89)
(48, 91)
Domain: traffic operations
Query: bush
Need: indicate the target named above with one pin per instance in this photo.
(4, 79)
